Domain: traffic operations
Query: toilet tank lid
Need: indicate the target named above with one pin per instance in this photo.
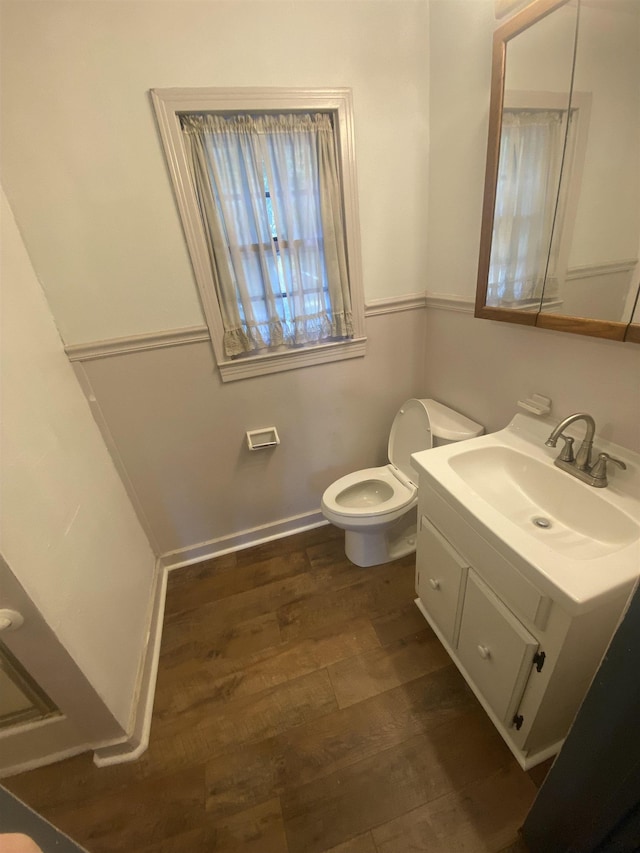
(446, 423)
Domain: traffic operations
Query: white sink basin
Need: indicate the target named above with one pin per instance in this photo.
(579, 542)
(545, 501)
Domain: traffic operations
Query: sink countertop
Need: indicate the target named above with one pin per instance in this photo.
(577, 583)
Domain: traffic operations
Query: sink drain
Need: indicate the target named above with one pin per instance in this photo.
(540, 521)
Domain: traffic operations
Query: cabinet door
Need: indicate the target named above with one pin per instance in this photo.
(440, 577)
(495, 648)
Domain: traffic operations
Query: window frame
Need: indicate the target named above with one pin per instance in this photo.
(169, 104)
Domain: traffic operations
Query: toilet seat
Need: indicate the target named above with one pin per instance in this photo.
(381, 493)
(378, 507)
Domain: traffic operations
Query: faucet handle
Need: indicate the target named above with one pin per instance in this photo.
(566, 454)
(599, 470)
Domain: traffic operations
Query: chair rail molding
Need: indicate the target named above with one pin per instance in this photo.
(137, 343)
(196, 334)
(393, 304)
(450, 302)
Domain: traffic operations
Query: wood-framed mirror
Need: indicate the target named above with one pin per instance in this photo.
(560, 234)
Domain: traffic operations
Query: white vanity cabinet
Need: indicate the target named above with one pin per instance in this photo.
(495, 648)
(528, 660)
(440, 580)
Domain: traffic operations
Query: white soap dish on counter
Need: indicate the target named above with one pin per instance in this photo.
(536, 404)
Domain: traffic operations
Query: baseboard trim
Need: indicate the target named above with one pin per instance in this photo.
(239, 541)
(133, 746)
(44, 760)
(536, 758)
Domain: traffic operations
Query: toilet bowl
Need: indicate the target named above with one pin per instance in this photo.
(378, 507)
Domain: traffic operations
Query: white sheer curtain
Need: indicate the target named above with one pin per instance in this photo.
(528, 177)
(269, 194)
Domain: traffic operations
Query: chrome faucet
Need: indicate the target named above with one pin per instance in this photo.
(583, 459)
(580, 466)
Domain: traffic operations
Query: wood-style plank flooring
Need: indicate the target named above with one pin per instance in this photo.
(303, 705)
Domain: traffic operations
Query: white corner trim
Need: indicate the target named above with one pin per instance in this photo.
(532, 760)
(132, 747)
(392, 304)
(239, 541)
(451, 302)
(137, 343)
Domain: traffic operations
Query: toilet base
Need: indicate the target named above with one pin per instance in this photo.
(377, 546)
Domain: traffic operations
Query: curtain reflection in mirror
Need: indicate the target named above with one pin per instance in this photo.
(531, 154)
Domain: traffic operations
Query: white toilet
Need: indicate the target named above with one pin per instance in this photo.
(378, 507)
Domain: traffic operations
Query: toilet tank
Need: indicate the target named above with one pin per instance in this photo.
(448, 426)
(422, 424)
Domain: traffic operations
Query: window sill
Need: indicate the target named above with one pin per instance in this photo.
(260, 365)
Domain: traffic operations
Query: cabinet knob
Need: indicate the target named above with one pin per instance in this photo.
(434, 584)
(484, 652)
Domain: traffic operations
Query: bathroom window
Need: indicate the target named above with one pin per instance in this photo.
(265, 185)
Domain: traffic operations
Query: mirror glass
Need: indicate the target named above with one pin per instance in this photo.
(21, 699)
(596, 237)
(560, 236)
(536, 103)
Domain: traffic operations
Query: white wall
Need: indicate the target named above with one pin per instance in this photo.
(460, 75)
(68, 530)
(484, 368)
(96, 210)
(552, 37)
(608, 219)
(607, 70)
(480, 366)
(181, 433)
(82, 164)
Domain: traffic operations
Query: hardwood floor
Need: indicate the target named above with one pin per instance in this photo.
(303, 705)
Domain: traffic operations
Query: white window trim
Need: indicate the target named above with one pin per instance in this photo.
(168, 105)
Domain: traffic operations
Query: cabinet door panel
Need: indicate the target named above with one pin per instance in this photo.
(441, 574)
(495, 648)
